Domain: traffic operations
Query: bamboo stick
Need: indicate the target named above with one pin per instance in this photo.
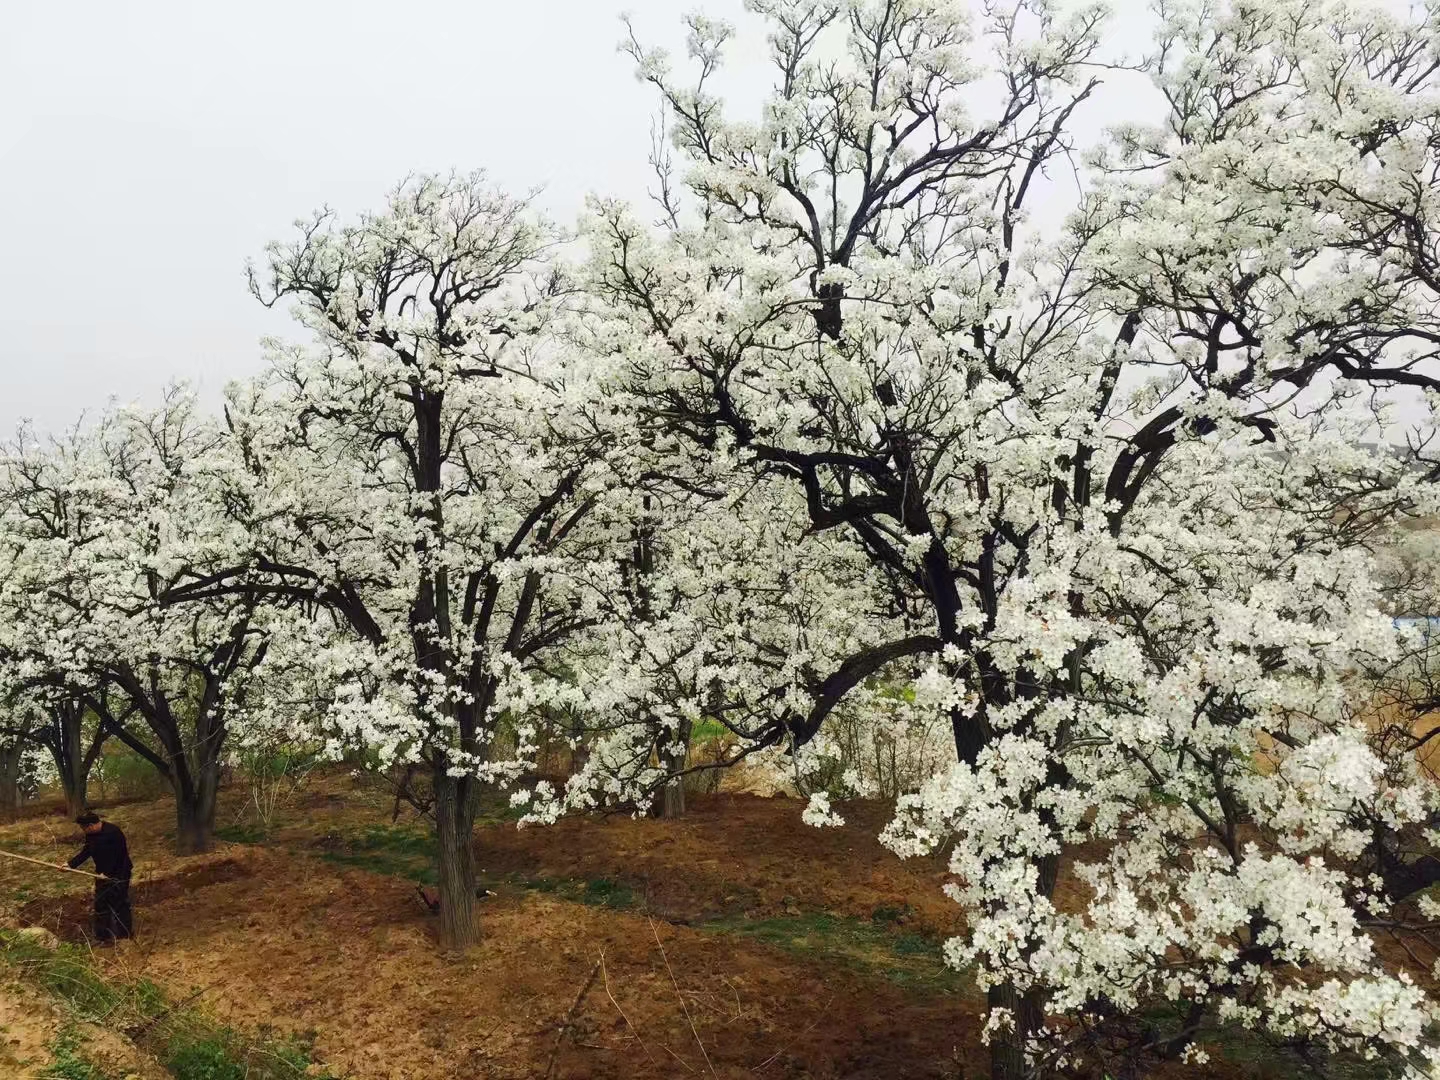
(54, 866)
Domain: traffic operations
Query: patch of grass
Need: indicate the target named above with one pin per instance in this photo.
(69, 1061)
(203, 1051)
(888, 914)
(396, 851)
(67, 973)
(398, 839)
(598, 892)
(240, 834)
(203, 1059)
(907, 959)
(122, 773)
(191, 1045)
(149, 999)
(602, 892)
(382, 863)
(706, 729)
(500, 813)
(913, 945)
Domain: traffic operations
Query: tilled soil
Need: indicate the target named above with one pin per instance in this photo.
(280, 937)
(735, 853)
(287, 937)
(27, 1027)
(304, 947)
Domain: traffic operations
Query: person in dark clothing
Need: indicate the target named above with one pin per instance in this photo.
(105, 843)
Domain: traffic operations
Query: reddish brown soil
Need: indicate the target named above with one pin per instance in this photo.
(68, 916)
(299, 945)
(281, 938)
(278, 936)
(734, 853)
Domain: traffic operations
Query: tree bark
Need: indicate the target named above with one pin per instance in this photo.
(12, 797)
(1027, 1010)
(455, 806)
(63, 735)
(672, 796)
(1007, 1046)
(672, 800)
(195, 811)
(75, 785)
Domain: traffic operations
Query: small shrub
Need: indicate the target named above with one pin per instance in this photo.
(274, 771)
(203, 1059)
(69, 1062)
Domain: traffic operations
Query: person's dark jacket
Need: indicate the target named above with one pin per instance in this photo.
(107, 848)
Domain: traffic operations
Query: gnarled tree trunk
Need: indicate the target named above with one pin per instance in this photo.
(672, 799)
(195, 810)
(63, 735)
(455, 806)
(12, 796)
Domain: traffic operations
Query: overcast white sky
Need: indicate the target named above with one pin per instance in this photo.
(149, 147)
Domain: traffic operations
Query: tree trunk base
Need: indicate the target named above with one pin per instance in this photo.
(193, 835)
(455, 860)
(1007, 1045)
(672, 800)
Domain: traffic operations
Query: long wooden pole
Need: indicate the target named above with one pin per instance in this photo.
(53, 866)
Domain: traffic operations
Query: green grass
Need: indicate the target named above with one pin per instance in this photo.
(209, 1052)
(396, 851)
(240, 834)
(379, 862)
(599, 892)
(203, 1059)
(122, 773)
(191, 1045)
(407, 852)
(68, 1059)
(706, 730)
(500, 813)
(403, 840)
(874, 945)
(602, 892)
(67, 973)
(908, 959)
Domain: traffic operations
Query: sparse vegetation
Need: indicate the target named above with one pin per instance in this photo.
(189, 1044)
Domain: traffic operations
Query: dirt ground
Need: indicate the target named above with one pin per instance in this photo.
(26, 1028)
(735, 941)
(276, 935)
(736, 851)
(30, 1024)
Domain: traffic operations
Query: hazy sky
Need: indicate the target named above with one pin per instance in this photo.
(149, 147)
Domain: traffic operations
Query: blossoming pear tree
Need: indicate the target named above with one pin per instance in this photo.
(724, 618)
(100, 525)
(1122, 470)
(430, 471)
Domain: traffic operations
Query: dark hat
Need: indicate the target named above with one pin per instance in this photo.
(89, 817)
